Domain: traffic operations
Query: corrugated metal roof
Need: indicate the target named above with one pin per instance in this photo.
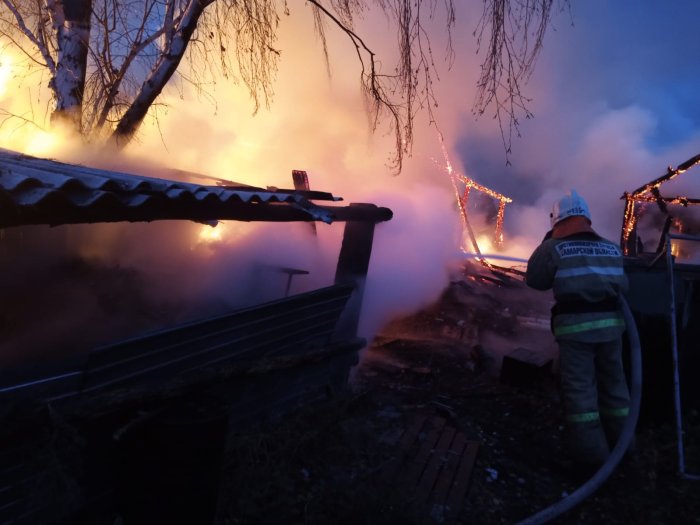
(42, 191)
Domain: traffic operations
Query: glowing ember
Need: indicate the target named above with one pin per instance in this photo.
(676, 245)
(499, 224)
(485, 243)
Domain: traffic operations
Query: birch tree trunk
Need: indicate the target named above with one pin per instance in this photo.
(71, 21)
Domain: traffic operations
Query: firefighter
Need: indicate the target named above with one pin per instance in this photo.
(585, 272)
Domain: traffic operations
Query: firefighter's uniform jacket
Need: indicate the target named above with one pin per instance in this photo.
(586, 274)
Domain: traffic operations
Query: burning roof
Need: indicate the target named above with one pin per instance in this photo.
(462, 186)
(650, 193)
(42, 191)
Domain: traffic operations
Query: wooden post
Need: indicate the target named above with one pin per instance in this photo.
(353, 264)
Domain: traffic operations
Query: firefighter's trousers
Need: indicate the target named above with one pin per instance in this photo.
(595, 397)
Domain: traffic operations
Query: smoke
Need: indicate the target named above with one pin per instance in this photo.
(408, 267)
(612, 108)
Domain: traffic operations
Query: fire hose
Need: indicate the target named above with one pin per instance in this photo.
(623, 443)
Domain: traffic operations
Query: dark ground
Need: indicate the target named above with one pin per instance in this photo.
(323, 464)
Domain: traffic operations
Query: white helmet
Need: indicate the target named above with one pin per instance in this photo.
(569, 205)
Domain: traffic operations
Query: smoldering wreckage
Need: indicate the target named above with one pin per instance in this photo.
(280, 413)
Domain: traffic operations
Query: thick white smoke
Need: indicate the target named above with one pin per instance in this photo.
(606, 119)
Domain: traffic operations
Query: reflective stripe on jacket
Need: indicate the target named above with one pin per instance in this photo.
(586, 274)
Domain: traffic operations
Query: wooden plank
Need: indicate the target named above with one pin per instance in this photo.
(414, 468)
(460, 486)
(436, 463)
(408, 438)
(444, 482)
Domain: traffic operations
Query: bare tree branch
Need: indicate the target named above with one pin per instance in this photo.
(111, 88)
(513, 34)
(409, 88)
(38, 42)
(161, 73)
(136, 46)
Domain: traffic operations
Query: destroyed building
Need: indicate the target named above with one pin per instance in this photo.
(433, 364)
(261, 361)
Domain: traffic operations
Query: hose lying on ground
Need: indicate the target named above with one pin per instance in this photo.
(623, 443)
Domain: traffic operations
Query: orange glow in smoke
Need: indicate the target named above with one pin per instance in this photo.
(210, 234)
(676, 245)
(25, 108)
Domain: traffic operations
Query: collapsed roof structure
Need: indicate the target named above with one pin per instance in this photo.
(462, 186)
(651, 193)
